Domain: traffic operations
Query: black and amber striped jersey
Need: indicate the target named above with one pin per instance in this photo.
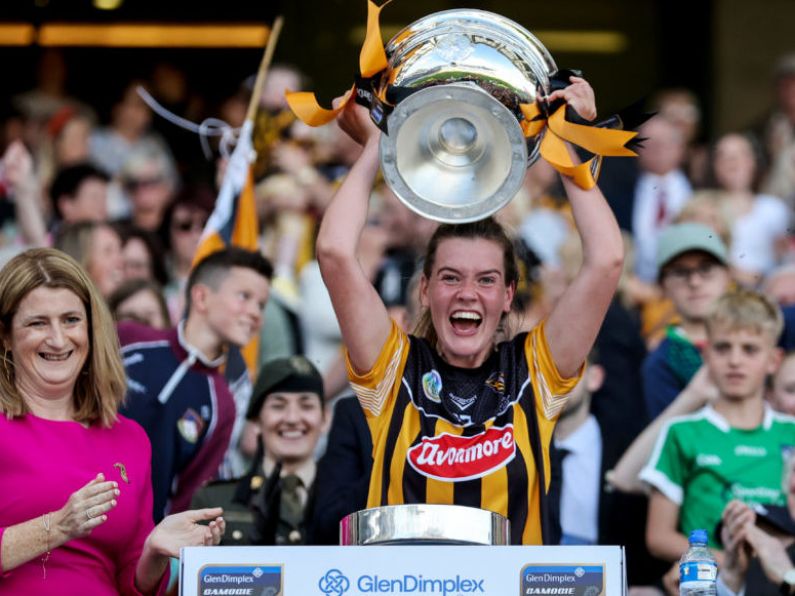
(475, 437)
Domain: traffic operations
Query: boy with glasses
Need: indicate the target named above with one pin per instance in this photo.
(693, 272)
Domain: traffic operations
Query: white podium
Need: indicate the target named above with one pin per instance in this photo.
(403, 570)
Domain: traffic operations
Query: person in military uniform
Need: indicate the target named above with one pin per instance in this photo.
(269, 505)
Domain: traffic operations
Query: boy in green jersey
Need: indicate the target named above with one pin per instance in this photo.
(731, 449)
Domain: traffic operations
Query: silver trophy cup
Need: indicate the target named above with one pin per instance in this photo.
(455, 150)
(424, 524)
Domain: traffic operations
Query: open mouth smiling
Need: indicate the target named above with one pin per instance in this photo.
(292, 434)
(55, 357)
(465, 320)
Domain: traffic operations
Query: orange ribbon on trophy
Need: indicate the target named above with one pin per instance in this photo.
(556, 130)
(372, 60)
(602, 142)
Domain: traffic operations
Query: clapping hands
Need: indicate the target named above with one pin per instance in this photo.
(183, 529)
(743, 539)
(86, 508)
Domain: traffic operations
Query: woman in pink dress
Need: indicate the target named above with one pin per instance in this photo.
(75, 484)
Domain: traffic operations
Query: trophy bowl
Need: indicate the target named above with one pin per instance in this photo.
(455, 150)
(424, 524)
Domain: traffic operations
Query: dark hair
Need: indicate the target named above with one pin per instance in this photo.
(528, 286)
(68, 180)
(196, 197)
(131, 287)
(213, 268)
(487, 229)
(757, 154)
(128, 231)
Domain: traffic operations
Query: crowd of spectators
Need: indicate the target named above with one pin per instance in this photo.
(707, 221)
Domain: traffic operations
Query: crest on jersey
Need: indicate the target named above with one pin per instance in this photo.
(432, 386)
(190, 426)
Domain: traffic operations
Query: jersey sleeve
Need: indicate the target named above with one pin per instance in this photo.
(551, 389)
(377, 388)
(665, 470)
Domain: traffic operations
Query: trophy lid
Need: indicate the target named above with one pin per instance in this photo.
(424, 524)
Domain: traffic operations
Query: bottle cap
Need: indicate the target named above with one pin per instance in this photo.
(698, 537)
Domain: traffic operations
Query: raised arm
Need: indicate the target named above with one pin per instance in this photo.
(576, 318)
(26, 191)
(362, 316)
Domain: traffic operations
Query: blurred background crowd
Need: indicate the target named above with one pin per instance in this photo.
(128, 193)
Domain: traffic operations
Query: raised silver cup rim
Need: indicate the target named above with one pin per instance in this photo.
(426, 205)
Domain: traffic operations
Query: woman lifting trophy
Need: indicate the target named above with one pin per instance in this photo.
(464, 101)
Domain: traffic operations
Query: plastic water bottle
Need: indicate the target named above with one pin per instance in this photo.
(698, 571)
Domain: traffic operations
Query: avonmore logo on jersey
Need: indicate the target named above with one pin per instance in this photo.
(454, 459)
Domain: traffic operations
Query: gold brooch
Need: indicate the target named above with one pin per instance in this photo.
(122, 471)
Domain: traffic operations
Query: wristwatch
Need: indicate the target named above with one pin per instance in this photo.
(787, 586)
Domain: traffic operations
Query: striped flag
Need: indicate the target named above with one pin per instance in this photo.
(233, 222)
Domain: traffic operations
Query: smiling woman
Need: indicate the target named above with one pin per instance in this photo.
(476, 259)
(271, 503)
(75, 485)
(455, 417)
(49, 335)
